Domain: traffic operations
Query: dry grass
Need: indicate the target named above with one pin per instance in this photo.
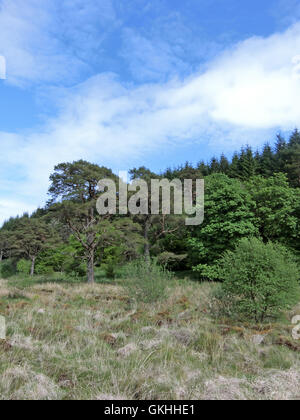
(91, 342)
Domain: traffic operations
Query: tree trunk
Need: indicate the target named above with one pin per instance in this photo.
(32, 266)
(146, 237)
(1, 255)
(91, 272)
(91, 248)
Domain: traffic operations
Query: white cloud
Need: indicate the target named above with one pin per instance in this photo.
(2, 67)
(246, 92)
(9, 208)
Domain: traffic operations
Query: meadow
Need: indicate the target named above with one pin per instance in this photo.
(67, 340)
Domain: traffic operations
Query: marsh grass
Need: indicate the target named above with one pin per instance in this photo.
(147, 281)
(76, 341)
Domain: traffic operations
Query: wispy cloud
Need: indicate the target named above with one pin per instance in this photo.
(247, 91)
(52, 41)
(287, 12)
(170, 47)
(2, 67)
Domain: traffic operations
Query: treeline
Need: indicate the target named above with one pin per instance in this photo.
(256, 194)
(284, 157)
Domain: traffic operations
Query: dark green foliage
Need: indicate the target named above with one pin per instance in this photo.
(75, 267)
(247, 164)
(77, 181)
(224, 165)
(7, 269)
(30, 237)
(214, 166)
(253, 194)
(275, 207)
(260, 280)
(5, 243)
(228, 217)
(74, 186)
(266, 162)
(170, 260)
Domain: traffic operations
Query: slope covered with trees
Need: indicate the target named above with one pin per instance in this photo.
(255, 194)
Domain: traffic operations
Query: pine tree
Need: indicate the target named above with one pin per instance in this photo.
(294, 139)
(74, 186)
(247, 166)
(5, 243)
(280, 144)
(203, 169)
(224, 165)
(214, 166)
(32, 236)
(267, 162)
(234, 166)
(280, 158)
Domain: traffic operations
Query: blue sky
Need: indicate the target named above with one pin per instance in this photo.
(137, 82)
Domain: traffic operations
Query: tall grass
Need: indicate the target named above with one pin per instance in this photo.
(146, 281)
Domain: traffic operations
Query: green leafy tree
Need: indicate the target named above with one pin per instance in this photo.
(31, 237)
(157, 228)
(145, 220)
(5, 243)
(228, 218)
(275, 208)
(74, 186)
(259, 280)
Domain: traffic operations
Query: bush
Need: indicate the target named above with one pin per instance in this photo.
(109, 268)
(74, 267)
(207, 272)
(146, 281)
(44, 268)
(24, 266)
(260, 280)
(7, 269)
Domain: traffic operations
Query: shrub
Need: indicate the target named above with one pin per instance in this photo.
(147, 281)
(208, 272)
(111, 260)
(170, 260)
(75, 267)
(44, 268)
(260, 280)
(7, 269)
(23, 266)
(109, 267)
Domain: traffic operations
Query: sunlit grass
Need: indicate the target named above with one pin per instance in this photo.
(77, 341)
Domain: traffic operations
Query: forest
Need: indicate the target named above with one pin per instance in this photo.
(256, 194)
(143, 307)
